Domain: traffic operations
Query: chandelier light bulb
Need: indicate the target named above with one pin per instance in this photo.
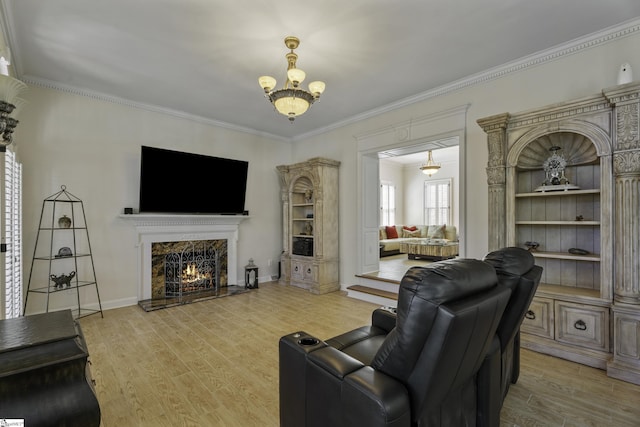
(296, 76)
(316, 88)
(267, 83)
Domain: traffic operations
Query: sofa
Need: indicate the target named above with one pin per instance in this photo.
(416, 365)
(390, 244)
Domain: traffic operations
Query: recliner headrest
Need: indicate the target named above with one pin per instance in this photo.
(448, 280)
(510, 261)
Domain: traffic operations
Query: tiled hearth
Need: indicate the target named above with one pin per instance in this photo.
(172, 231)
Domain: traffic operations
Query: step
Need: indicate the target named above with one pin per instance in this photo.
(373, 291)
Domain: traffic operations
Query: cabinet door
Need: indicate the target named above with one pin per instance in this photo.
(582, 325)
(297, 270)
(539, 318)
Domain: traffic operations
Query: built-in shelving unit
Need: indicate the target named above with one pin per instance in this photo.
(310, 225)
(587, 307)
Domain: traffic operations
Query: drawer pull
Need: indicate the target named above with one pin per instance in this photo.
(530, 315)
(308, 270)
(580, 325)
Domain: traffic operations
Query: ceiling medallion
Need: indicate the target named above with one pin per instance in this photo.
(291, 100)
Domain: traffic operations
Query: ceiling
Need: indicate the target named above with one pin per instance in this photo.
(202, 58)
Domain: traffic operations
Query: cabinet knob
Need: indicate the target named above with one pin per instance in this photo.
(580, 325)
(530, 315)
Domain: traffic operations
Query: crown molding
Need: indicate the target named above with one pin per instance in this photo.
(578, 45)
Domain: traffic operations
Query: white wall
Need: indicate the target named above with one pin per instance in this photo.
(93, 147)
(567, 77)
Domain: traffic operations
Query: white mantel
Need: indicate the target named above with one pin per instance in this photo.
(153, 228)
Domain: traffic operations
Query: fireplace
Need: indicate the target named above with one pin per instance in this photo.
(188, 268)
(174, 230)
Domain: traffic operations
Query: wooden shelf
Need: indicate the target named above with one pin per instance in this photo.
(577, 223)
(559, 193)
(572, 294)
(566, 255)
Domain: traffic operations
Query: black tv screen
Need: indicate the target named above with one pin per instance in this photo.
(186, 183)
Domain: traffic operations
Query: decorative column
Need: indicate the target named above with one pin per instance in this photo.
(495, 127)
(626, 169)
(625, 364)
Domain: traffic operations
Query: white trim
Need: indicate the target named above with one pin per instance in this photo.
(174, 228)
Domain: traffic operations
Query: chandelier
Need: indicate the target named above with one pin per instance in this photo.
(430, 167)
(291, 100)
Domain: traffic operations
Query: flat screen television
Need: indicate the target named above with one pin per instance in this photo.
(186, 183)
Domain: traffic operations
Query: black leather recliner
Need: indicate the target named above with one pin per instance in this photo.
(415, 367)
(517, 271)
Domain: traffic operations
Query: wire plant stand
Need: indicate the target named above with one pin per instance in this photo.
(62, 259)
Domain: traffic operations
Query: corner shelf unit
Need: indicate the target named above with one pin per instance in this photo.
(62, 263)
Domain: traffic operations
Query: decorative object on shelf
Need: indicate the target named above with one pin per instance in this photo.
(308, 196)
(579, 218)
(532, 246)
(554, 167)
(291, 100)
(625, 75)
(64, 252)
(63, 280)
(64, 221)
(251, 275)
(310, 215)
(577, 251)
(10, 104)
(430, 167)
(308, 229)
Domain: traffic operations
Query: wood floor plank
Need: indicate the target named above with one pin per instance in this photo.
(215, 363)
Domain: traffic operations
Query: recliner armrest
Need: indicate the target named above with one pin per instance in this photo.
(373, 399)
(384, 318)
(335, 362)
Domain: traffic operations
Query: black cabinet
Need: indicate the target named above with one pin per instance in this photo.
(44, 373)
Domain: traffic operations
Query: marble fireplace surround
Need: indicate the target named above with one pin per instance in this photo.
(153, 228)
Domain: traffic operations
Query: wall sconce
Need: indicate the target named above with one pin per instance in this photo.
(10, 106)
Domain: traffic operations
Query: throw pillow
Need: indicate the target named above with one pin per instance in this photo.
(392, 233)
(412, 228)
(436, 231)
(411, 233)
(383, 234)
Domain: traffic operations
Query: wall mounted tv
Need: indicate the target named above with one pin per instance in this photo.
(186, 183)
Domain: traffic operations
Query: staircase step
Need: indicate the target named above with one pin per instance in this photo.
(374, 291)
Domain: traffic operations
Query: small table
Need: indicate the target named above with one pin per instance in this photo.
(428, 249)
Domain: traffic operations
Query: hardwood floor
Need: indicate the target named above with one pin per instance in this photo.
(215, 363)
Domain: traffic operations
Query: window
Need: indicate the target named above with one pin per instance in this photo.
(388, 204)
(437, 202)
(12, 236)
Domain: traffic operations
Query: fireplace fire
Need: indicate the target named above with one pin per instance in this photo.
(188, 268)
(191, 270)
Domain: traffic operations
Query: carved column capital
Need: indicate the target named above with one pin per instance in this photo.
(496, 175)
(626, 163)
(627, 119)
